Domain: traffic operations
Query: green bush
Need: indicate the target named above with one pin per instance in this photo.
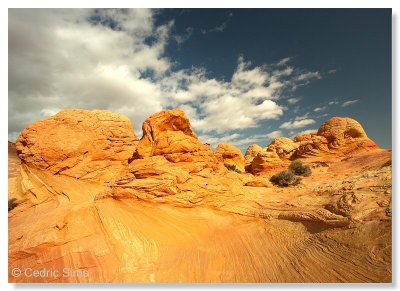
(232, 168)
(12, 203)
(297, 168)
(285, 178)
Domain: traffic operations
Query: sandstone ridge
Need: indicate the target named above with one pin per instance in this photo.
(337, 138)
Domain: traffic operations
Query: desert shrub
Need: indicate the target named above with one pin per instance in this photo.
(232, 168)
(297, 168)
(12, 203)
(285, 178)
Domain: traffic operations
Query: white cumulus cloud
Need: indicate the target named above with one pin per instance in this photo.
(115, 59)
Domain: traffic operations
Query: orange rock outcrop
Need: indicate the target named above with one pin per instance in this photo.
(251, 152)
(336, 138)
(231, 155)
(82, 144)
(169, 134)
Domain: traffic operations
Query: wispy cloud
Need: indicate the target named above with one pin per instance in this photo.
(284, 61)
(318, 109)
(333, 102)
(322, 115)
(220, 27)
(181, 38)
(303, 116)
(308, 76)
(297, 123)
(294, 133)
(350, 102)
(294, 100)
(274, 134)
(332, 71)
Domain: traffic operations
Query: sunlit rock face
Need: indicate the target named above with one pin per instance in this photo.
(251, 152)
(90, 196)
(169, 134)
(337, 138)
(230, 155)
(82, 144)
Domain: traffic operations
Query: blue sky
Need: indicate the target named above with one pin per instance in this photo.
(242, 75)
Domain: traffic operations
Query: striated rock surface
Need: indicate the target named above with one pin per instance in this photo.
(172, 213)
(251, 152)
(266, 161)
(168, 133)
(337, 138)
(79, 143)
(231, 155)
(283, 146)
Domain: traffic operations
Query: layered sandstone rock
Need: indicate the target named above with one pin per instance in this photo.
(336, 138)
(251, 152)
(266, 161)
(283, 146)
(171, 214)
(82, 144)
(169, 134)
(170, 160)
(230, 155)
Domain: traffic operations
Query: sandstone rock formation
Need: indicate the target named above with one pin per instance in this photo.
(266, 161)
(336, 138)
(169, 134)
(166, 210)
(283, 146)
(79, 143)
(231, 155)
(251, 152)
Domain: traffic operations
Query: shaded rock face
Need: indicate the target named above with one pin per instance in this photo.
(231, 155)
(79, 143)
(335, 139)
